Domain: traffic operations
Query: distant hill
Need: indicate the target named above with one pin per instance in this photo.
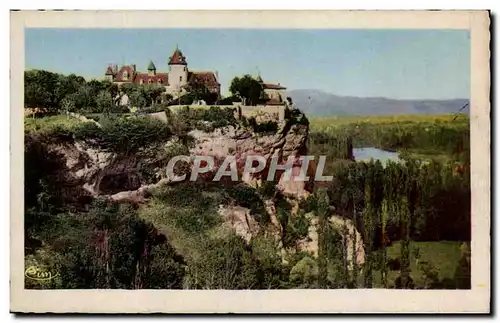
(319, 103)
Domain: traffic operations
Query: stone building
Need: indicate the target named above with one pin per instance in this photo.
(276, 93)
(175, 81)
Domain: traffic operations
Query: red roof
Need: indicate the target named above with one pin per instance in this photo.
(207, 78)
(274, 86)
(126, 69)
(159, 78)
(177, 58)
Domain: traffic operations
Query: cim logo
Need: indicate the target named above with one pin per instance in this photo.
(39, 274)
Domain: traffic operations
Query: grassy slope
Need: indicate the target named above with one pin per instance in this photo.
(47, 123)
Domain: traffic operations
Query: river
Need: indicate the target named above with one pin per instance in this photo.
(367, 153)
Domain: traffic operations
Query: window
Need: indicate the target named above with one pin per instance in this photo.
(184, 68)
(125, 75)
(141, 81)
(150, 81)
(180, 78)
(160, 81)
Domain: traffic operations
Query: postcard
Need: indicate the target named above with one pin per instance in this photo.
(250, 162)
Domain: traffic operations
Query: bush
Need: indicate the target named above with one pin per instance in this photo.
(228, 263)
(266, 127)
(394, 264)
(124, 135)
(296, 229)
(229, 100)
(110, 247)
(305, 273)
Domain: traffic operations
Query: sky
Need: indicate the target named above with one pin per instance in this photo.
(400, 64)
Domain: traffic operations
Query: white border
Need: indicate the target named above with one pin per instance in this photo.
(298, 301)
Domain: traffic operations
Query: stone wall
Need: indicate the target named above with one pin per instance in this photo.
(244, 110)
(159, 115)
(251, 111)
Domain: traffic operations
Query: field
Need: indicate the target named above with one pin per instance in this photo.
(431, 137)
(324, 123)
(442, 256)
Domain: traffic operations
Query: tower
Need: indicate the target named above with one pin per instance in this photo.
(178, 72)
(151, 69)
(109, 74)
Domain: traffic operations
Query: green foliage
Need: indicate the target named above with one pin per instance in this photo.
(193, 215)
(185, 119)
(125, 135)
(229, 263)
(106, 247)
(249, 89)
(420, 134)
(229, 100)
(295, 116)
(248, 197)
(264, 127)
(199, 91)
(305, 273)
(297, 228)
(104, 102)
(54, 92)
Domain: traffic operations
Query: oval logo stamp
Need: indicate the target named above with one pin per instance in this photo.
(39, 274)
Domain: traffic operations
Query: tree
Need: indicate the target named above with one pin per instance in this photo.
(322, 210)
(68, 104)
(39, 90)
(153, 93)
(104, 102)
(138, 98)
(249, 89)
(198, 90)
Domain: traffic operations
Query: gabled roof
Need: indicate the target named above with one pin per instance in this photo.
(151, 66)
(159, 78)
(177, 58)
(129, 69)
(207, 78)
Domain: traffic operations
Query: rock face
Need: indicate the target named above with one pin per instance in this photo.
(240, 220)
(289, 141)
(85, 172)
(348, 231)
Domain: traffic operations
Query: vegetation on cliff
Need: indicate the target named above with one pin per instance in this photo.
(413, 217)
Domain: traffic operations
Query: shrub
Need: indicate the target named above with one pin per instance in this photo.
(394, 264)
(305, 273)
(124, 135)
(266, 127)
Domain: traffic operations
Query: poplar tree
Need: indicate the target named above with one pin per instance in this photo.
(322, 208)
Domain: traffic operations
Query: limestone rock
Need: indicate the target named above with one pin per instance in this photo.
(240, 220)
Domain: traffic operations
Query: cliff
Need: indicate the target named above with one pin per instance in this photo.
(80, 171)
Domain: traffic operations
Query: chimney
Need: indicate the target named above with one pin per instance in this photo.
(133, 67)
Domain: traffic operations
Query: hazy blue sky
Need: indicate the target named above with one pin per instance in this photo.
(382, 63)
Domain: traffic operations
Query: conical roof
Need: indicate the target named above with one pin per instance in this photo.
(109, 71)
(151, 66)
(177, 58)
